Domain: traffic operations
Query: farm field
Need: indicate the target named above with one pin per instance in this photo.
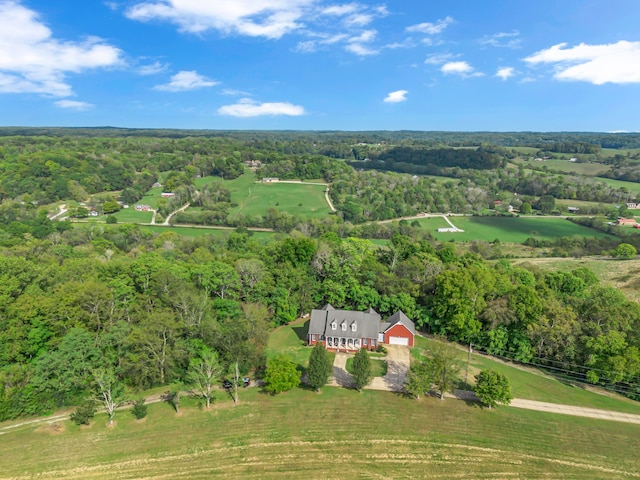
(591, 169)
(199, 232)
(509, 229)
(276, 437)
(131, 215)
(632, 187)
(254, 199)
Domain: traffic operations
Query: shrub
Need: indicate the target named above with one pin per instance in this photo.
(139, 409)
(84, 413)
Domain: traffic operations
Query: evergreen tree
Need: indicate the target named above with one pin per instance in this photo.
(361, 369)
(319, 367)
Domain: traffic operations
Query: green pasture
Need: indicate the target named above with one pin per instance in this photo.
(131, 215)
(199, 232)
(254, 199)
(631, 187)
(335, 434)
(532, 384)
(509, 229)
(589, 169)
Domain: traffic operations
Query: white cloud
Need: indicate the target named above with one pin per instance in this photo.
(502, 39)
(254, 18)
(438, 58)
(598, 64)
(357, 44)
(153, 68)
(247, 107)
(459, 68)
(32, 61)
(74, 105)
(341, 10)
(431, 28)
(505, 72)
(234, 92)
(361, 50)
(186, 80)
(396, 97)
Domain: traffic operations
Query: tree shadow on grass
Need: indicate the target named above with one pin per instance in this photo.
(302, 330)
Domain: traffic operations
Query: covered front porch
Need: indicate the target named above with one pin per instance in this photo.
(348, 344)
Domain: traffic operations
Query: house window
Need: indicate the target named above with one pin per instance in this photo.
(313, 337)
(364, 342)
(353, 327)
(344, 326)
(334, 325)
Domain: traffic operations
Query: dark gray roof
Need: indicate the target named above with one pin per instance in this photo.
(399, 316)
(367, 324)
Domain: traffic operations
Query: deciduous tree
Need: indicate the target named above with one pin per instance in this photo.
(493, 388)
(281, 375)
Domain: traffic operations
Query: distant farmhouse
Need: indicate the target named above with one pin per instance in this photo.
(270, 180)
(627, 221)
(350, 330)
(633, 205)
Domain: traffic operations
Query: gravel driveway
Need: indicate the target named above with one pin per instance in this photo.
(398, 362)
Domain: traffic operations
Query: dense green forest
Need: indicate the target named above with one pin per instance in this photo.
(77, 299)
(145, 305)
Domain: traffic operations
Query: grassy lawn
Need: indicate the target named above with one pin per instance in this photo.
(290, 340)
(532, 384)
(378, 367)
(150, 198)
(513, 229)
(302, 434)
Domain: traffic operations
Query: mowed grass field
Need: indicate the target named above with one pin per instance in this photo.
(590, 169)
(254, 199)
(199, 232)
(335, 434)
(507, 229)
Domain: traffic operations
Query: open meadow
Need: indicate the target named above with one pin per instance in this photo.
(564, 165)
(507, 229)
(302, 434)
(254, 199)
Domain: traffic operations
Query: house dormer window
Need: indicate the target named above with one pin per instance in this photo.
(353, 327)
(344, 326)
(334, 325)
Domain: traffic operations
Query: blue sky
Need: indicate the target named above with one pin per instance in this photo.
(543, 65)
